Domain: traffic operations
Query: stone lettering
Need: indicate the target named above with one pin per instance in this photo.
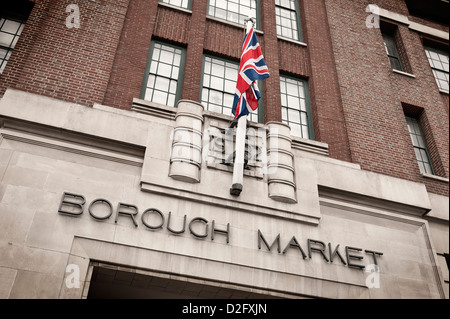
(74, 206)
(319, 250)
(131, 214)
(276, 241)
(94, 203)
(355, 257)
(293, 243)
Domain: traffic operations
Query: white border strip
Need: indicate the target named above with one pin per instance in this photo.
(404, 19)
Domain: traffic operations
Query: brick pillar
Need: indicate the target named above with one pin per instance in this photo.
(445, 101)
(70, 64)
(194, 52)
(271, 85)
(127, 74)
(327, 110)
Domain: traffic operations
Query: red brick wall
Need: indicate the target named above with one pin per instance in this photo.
(271, 85)
(403, 53)
(357, 101)
(328, 114)
(194, 52)
(297, 61)
(69, 64)
(372, 96)
(223, 40)
(128, 71)
(445, 101)
(172, 24)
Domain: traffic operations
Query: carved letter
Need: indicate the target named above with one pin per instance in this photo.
(227, 232)
(127, 213)
(320, 250)
(294, 243)
(176, 231)
(350, 264)
(152, 210)
(199, 219)
(78, 205)
(373, 253)
(276, 241)
(100, 200)
(334, 253)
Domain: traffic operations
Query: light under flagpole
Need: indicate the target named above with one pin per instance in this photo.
(238, 169)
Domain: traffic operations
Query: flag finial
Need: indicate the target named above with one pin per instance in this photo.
(249, 19)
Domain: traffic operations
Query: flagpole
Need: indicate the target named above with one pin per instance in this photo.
(238, 169)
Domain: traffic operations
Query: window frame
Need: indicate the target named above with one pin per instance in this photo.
(10, 48)
(391, 38)
(260, 117)
(428, 48)
(189, 6)
(258, 15)
(180, 73)
(308, 112)
(420, 148)
(299, 22)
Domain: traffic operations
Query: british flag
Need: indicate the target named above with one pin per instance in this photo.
(252, 68)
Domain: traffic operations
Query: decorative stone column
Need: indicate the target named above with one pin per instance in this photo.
(280, 168)
(186, 156)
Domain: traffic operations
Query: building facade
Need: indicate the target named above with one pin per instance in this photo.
(116, 150)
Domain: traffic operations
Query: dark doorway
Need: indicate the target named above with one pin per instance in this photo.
(115, 282)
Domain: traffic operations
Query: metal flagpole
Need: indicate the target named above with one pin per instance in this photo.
(238, 169)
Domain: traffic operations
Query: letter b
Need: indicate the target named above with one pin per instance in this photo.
(73, 207)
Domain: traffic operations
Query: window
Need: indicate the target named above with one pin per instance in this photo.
(394, 47)
(179, 3)
(295, 106)
(287, 19)
(392, 52)
(13, 15)
(9, 34)
(233, 10)
(420, 148)
(219, 86)
(439, 64)
(162, 83)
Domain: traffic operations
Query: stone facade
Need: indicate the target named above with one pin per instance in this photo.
(128, 211)
(100, 188)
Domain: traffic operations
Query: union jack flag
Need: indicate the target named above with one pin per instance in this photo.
(252, 68)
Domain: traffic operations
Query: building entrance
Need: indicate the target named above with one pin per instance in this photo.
(116, 282)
